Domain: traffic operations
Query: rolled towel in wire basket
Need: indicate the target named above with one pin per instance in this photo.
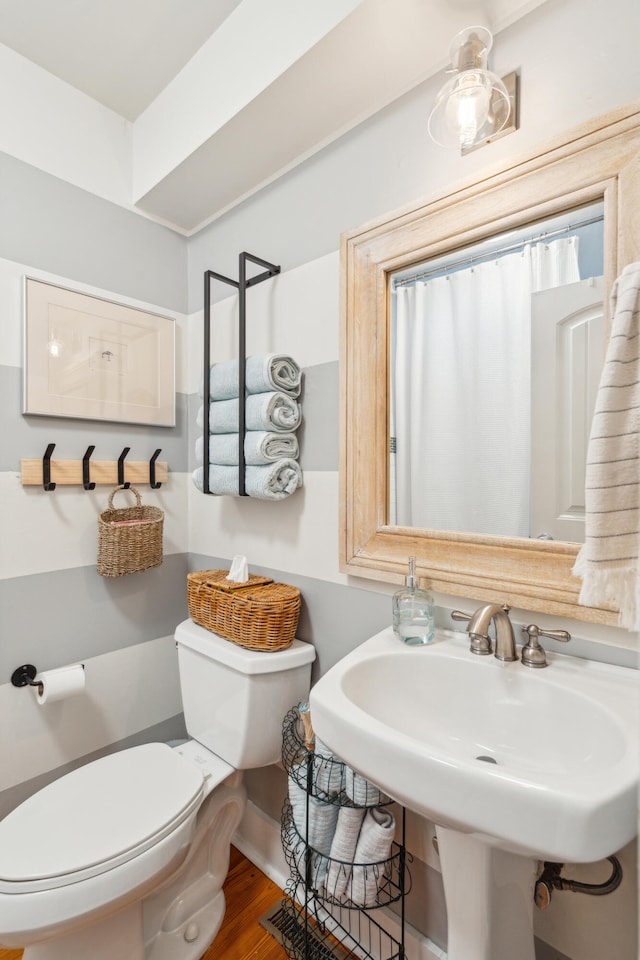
(328, 770)
(361, 791)
(317, 833)
(272, 371)
(322, 817)
(260, 447)
(275, 481)
(310, 866)
(342, 852)
(273, 411)
(373, 851)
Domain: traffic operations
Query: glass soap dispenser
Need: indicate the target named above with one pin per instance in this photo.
(413, 611)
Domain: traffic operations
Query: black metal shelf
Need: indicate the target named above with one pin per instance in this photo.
(310, 932)
(342, 882)
(325, 778)
(242, 284)
(329, 903)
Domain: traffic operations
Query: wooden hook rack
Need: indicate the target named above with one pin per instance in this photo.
(48, 473)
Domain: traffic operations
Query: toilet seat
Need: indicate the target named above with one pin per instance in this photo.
(97, 817)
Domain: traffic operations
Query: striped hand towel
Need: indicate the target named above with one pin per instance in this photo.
(608, 560)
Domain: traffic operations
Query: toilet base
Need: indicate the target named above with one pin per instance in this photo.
(190, 940)
(121, 936)
(181, 917)
(117, 936)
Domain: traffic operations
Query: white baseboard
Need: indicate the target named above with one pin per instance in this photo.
(258, 838)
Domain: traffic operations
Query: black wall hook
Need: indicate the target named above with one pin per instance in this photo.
(121, 480)
(46, 468)
(86, 480)
(152, 470)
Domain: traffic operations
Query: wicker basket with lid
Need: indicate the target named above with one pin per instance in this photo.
(258, 615)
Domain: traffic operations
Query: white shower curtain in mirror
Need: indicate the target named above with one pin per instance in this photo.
(461, 392)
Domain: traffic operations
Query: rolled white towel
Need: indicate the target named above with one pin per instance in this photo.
(260, 447)
(328, 770)
(321, 827)
(361, 791)
(342, 853)
(273, 411)
(272, 371)
(275, 481)
(372, 853)
(303, 855)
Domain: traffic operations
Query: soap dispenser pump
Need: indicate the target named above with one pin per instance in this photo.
(412, 610)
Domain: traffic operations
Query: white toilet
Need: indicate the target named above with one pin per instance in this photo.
(126, 856)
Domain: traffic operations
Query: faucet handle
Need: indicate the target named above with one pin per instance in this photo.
(459, 615)
(480, 643)
(532, 653)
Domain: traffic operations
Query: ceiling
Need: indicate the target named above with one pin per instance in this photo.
(220, 97)
(122, 53)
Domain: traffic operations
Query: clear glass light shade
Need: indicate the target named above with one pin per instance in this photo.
(474, 104)
(471, 107)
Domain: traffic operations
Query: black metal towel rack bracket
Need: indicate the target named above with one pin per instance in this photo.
(241, 284)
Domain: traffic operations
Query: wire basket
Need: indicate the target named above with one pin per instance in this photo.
(129, 538)
(324, 776)
(310, 932)
(354, 885)
(258, 615)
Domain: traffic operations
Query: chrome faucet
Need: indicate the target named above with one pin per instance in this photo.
(478, 630)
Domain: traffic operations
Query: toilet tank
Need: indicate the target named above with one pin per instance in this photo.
(234, 699)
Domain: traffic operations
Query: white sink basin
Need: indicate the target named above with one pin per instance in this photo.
(425, 724)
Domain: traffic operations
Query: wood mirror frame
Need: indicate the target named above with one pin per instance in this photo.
(598, 161)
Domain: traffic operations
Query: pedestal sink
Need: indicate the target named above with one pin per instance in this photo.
(514, 765)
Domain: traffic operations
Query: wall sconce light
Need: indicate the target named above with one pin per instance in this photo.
(475, 105)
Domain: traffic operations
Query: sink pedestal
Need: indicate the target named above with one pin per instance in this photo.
(489, 896)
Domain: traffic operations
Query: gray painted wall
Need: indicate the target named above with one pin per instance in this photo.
(59, 611)
(50, 224)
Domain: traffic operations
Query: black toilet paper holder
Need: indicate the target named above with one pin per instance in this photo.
(25, 675)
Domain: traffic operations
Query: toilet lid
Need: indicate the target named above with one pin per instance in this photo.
(97, 816)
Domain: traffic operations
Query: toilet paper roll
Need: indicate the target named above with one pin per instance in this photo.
(58, 684)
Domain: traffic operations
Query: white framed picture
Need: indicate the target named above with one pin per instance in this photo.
(96, 359)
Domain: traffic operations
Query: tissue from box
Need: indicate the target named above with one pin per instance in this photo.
(239, 572)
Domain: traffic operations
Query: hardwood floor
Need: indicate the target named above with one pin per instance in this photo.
(249, 894)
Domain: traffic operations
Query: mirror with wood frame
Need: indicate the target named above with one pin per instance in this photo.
(599, 163)
(495, 360)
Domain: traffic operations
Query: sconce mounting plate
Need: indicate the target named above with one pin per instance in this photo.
(511, 82)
